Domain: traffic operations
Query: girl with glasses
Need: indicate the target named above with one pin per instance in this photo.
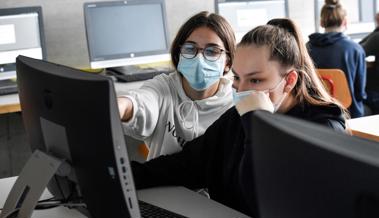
(272, 72)
(170, 110)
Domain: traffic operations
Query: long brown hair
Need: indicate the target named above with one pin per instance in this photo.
(283, 39)
(332, 14)
(212, 21)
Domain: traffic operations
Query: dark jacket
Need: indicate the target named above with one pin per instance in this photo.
(335, 50)
(371, 46)
(217, 161)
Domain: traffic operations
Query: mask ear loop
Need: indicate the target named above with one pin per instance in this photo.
(285, 94)
(277, 105)
(277, 85)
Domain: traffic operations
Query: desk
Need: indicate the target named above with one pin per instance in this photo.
(365, 127)
(11, 103)
(177, 199)
(121, 88)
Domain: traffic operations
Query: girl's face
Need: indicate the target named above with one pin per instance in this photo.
(202, 38)
(253, 70)
(202, 62)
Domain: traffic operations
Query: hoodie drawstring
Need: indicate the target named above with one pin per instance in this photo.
(183, 117)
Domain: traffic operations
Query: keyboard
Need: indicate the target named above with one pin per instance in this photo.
(131, 74)
(8, 86)
(152, 211)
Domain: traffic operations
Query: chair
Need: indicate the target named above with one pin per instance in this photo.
(336, 83)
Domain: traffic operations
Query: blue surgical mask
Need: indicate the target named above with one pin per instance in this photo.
(238, 96)
(201, 73)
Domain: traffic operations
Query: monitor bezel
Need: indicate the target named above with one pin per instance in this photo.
(27, 10)
(217, 2)
(129, 58)
(239, 33)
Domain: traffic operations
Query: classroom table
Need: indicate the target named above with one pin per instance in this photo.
(365, 127)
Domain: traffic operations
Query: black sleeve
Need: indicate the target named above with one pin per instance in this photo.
(186, 168)
(335, 122)
(246, 168)
(246, 174)
(337, 125)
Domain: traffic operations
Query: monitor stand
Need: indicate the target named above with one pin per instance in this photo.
(30, 184)
(126, 70)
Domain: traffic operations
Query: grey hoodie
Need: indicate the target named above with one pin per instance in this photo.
(165, 118)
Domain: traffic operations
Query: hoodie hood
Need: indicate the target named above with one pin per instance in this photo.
(222, 98)
(197, 115)
(325, 39)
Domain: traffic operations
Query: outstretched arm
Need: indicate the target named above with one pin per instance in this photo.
(188, 167)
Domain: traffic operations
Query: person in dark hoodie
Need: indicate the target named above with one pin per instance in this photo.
(333, 49)
(272, 72)
(371, 42)
(371, 46)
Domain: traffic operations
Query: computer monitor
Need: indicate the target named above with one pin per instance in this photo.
(121, 33)
(73, 116)
(21, 33)
(308, 170)
(244, 15)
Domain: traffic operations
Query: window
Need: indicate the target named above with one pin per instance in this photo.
(245, 15)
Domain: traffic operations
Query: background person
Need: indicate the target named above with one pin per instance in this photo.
(371, 46)
(333, 49)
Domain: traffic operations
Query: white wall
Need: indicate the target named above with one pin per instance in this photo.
(64, 25)
(302, 12)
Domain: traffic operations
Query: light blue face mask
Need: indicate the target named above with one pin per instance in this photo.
(238, 96)
(201, 73)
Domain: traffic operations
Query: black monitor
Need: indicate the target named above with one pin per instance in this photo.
(121, 33)
(73, 116)
(21, 33)
(308, 170)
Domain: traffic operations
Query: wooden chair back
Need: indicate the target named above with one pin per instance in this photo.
(336, 83)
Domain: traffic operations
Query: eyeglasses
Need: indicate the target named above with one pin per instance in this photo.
(210, 53)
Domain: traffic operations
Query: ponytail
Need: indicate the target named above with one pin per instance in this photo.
(284, 41)
(332, 14)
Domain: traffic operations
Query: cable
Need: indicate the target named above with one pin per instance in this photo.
(48, 206)
(52, 202)
(47, 200)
